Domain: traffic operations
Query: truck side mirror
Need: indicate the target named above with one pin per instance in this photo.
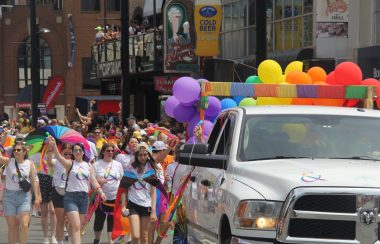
(198, 155)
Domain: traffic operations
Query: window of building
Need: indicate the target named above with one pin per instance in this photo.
(289, 24)
(88, 83)
(24, 63)
(113, 5)
(238, 29)
(377, 21)
(90, 5)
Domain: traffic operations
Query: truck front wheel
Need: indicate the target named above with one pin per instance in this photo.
(225, 231)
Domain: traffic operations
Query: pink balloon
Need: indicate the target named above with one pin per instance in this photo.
(348, 73)
(170, 105)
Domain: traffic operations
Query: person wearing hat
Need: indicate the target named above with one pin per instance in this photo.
(161, 154)
(99, 36)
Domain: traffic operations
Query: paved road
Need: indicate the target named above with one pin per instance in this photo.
(35, 233)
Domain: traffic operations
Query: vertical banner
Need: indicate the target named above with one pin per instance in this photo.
(208, 21)
(72, 42)
(179, 37)
(55, 86)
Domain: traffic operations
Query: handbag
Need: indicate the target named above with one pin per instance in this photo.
(23, 183)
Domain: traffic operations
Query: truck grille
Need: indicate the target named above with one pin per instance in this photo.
(330, 215)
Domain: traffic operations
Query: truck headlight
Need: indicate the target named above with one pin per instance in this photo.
(262, 215)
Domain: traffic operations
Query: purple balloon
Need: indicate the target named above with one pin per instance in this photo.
(207, 127)
(214, 107)
(193, 122)
(187, 90)
(183, 113)
(170, 105)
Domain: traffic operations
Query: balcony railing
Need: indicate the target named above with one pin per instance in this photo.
(107, 56)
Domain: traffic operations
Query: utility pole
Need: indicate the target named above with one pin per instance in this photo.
(35, 64)
(125, 85)
(261, 31)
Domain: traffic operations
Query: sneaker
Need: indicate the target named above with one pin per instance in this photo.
(46, 240)
(54, 240)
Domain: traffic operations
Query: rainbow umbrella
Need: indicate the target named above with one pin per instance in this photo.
(36, 139)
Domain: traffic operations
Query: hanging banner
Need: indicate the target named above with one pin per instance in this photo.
(208, 20)
(72, 42)
(52, 91)
(179, 42)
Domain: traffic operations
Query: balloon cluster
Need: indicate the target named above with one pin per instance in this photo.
(186, 102)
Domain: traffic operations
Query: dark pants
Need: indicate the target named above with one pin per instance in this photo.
(101, 213)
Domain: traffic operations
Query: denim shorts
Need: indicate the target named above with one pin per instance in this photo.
(16, 202)
(76, 201)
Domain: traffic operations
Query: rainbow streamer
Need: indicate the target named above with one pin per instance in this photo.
(43, 166)
(94, 203)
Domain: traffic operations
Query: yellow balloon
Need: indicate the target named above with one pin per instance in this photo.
(294, 66)
(281, 79)
(268, 71)
(296, 132)
(273, 101)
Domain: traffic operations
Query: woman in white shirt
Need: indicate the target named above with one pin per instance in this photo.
(80, 175)
(59, 183)
(108, 173)
(16, 200)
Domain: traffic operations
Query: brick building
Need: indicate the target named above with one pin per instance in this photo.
(55, 49)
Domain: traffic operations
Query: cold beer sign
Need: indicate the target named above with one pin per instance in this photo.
(208, 19)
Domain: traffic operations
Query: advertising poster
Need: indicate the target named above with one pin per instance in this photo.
(332, 18)
(179, 37)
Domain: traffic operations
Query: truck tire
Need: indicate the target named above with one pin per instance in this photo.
(225, 231)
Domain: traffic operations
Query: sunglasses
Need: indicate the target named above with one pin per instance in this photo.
(110, 150)
(78, 150)
(17, 150)
(67, 154)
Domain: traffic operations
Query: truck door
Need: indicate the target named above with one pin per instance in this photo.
(211, 181)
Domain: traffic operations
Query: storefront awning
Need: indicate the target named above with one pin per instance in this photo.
(148, 7)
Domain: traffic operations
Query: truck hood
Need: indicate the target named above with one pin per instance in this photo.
(274, 179)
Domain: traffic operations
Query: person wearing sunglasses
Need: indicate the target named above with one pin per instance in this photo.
(80, 175)
(16, 199)
(108, 173)
(59, 183)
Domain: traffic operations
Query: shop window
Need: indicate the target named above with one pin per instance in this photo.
(24, 63)
(88, 83)
(90, 5)
(113, 5)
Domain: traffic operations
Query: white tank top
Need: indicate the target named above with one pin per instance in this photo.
(12, 178)
(59, 176)
(79, 178)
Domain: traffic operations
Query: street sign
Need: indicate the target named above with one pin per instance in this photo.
(41, 105)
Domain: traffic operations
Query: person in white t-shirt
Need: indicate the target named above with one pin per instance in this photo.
(108, 173)
(80, 175)
(128, 153)
(17, 200)
(59, 183)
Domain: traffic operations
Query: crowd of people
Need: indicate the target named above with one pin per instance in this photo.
(121, 155)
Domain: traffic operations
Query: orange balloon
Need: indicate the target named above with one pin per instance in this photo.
(298, 77)
(302, 101)
(327, 101)
(317, 74)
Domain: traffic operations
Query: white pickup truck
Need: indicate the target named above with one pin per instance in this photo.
(286, 174)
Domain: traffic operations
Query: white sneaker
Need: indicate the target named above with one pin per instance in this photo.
(54, 240)
(46, 240)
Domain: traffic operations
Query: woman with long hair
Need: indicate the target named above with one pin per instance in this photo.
(108, 173)
(127, 155)
(17, 199)
(80, 175)
(59, 183)
(141, 206)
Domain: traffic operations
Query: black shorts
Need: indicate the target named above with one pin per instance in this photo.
(139, 210)
(57, 199)
(46, 187)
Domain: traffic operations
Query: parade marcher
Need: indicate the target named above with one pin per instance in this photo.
(128, 152)
(80, 175)
(59, 182)
(141, 206)
(108, 173)
(20, 176)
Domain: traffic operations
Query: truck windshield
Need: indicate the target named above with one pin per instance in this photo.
(309, 136)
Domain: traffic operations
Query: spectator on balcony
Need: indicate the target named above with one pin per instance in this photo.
(108, 36)
(132, 29)
(99, 37)
(116, 35)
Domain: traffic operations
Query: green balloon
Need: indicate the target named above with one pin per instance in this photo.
(253, 79)
(248, 101)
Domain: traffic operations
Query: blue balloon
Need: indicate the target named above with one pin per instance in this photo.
(228, 103)
(238, 99)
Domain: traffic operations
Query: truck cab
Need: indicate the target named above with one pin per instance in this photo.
(285, 174)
